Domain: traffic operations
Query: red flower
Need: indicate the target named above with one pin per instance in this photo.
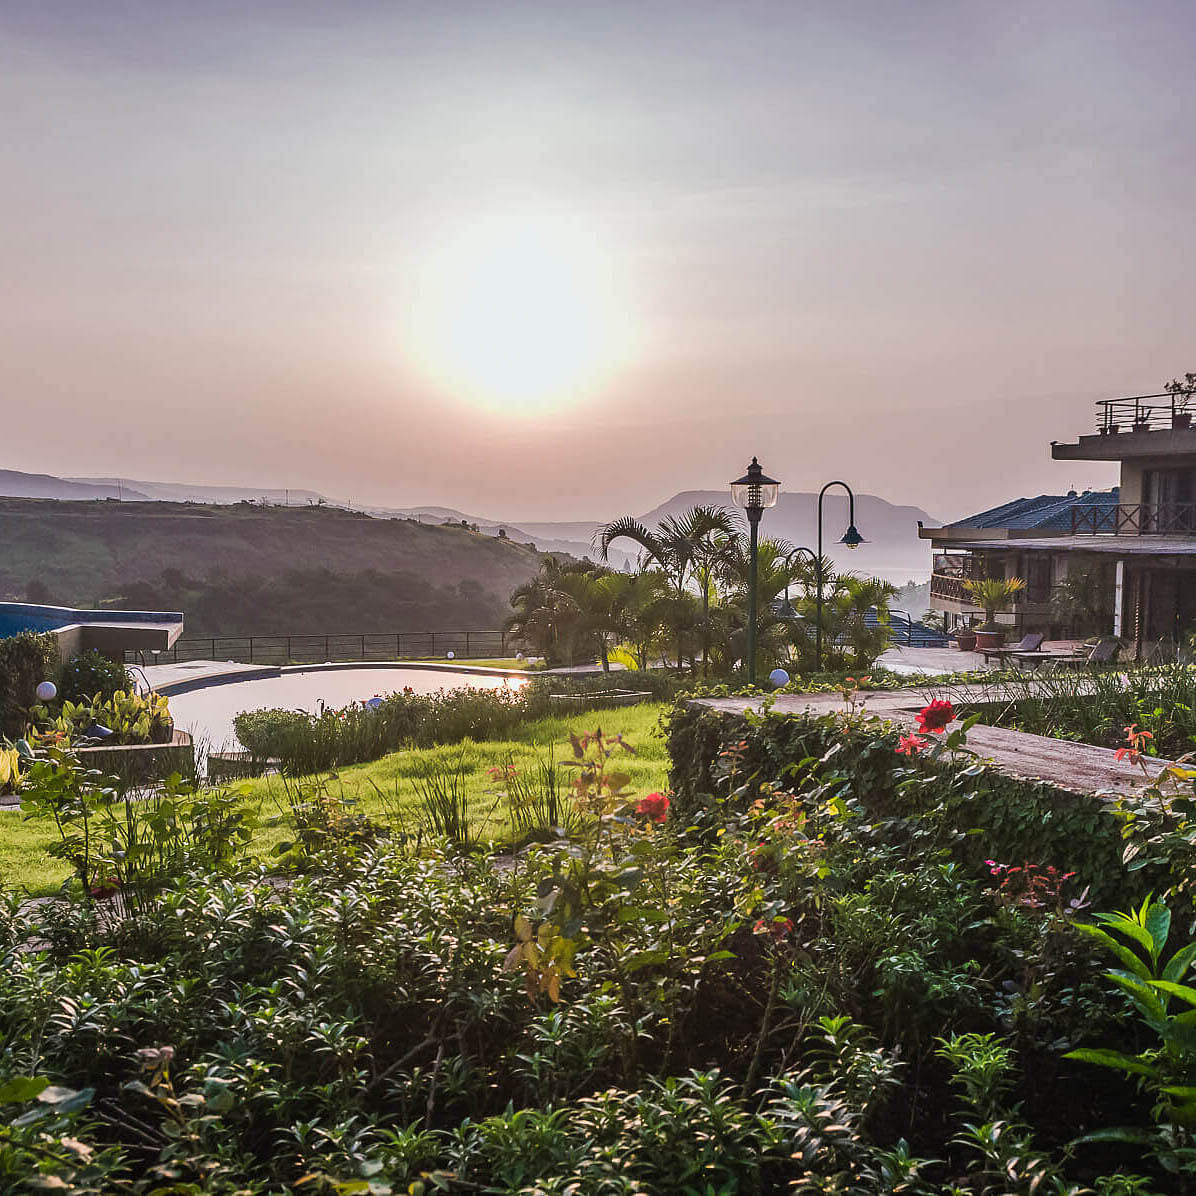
(778, 928)
(910, 745)
(935, 717)
(654, 807)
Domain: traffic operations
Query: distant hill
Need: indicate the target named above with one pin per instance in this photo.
(134, 489)
(42, 485)
(83, 552)
(893, 550)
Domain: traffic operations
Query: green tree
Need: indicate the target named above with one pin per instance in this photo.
(679, 546)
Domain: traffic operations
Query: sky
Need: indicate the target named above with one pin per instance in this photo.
(559, 261)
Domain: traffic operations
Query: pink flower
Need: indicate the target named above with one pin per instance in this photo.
(910, 745)
(654, 807)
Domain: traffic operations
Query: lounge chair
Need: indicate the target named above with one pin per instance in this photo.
(1104, 651)
(1028, 643)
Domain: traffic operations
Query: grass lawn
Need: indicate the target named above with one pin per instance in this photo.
(385, 788)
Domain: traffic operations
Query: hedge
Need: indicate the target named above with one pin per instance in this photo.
(989, 814)
(25, 660)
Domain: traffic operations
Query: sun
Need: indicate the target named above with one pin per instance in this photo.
(520, 312)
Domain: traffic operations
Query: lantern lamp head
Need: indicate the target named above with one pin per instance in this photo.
(755, 491)
(852, 538)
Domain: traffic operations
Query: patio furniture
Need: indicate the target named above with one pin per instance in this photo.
(1028, 643)
(1103, 652)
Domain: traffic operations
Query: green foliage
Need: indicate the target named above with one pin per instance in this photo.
(313, 601)
(130, 845)
(89, 674)
(1160, 700)
(993, 594)
(25, 661)
(130, 716)
(803, 979)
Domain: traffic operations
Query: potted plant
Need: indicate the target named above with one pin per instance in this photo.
(965, 638)
(1181, 395)
(994, 594)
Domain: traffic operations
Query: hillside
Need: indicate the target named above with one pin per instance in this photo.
(83, 552)
(42, 485)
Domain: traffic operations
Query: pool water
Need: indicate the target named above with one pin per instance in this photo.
(208, 713)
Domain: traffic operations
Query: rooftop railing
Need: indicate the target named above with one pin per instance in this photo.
(1135, 519)
(1144, 413)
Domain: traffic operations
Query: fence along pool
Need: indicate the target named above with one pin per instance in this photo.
(315, 649)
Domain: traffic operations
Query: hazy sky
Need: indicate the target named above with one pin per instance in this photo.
(338, 245)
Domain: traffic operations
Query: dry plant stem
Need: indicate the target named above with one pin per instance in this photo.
(770, 1007)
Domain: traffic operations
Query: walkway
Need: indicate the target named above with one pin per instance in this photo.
(1074, 767)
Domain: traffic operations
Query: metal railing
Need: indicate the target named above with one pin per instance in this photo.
(1144, 413)
(316, 649)
(1135, 519)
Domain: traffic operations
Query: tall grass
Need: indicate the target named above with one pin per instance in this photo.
(1097, 707)
(304, 744)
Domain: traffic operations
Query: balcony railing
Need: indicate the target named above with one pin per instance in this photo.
(946, 585)
(959, 565)
(1144, 413)
(1135, 519)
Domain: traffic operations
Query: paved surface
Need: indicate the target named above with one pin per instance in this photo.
(1074, 767)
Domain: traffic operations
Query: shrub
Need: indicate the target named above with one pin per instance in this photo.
(91, 673)
(25, 661)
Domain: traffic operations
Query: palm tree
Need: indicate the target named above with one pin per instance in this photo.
(776, 569)
(678, 546)
(546, 614)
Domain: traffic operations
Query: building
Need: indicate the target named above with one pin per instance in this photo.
(111, 632)
(1129, 552)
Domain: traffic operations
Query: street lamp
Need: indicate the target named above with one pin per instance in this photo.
(852, 538)
(754, 492)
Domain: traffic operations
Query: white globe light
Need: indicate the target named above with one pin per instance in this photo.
(778, 677)
(46, 691)
(452, 656)
(518, 655)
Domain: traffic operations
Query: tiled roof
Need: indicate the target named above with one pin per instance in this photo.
(1047, 512)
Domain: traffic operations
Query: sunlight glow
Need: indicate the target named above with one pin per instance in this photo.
(520, 313)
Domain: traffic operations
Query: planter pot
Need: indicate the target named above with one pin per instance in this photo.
(1181, 419)
(1142, 427)
(990, 639)
(966, 641)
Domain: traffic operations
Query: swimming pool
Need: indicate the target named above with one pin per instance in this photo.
(207, 712)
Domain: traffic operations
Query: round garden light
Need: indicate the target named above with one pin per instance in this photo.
(778, 677)
(46, 691)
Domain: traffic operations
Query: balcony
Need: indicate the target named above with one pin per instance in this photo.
(1135, 519)
(1144, 413)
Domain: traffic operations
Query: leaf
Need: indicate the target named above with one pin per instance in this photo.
(1129, 928)
(1158, 926)
(1184, 991)
(1114, 1059)
(22, 1088)
(523, 929)
(1179, 963)
(1131, 961)
(645, 959)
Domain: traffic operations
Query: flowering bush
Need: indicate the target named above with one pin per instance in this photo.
(654, 807)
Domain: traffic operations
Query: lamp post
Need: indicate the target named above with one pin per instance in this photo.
(754, 492)
(852, 539)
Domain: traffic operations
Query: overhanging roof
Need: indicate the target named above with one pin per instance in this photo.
(1110, 545)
